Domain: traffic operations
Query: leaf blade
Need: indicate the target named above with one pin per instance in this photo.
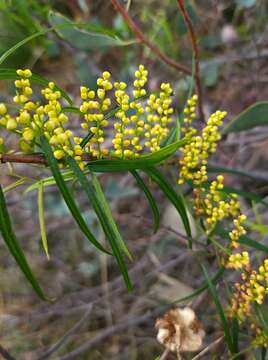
(150, 198)
(14, 247)
(174, 198)
(97, 199)
(141, 163)
(67, 195)
(41, 216)
(255, 115)
(220, 311)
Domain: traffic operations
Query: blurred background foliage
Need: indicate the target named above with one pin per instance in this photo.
(233, 41)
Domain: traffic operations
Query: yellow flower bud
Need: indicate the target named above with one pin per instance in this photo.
(11, 124)
(3, 109)
(58, 154)
(28, 134)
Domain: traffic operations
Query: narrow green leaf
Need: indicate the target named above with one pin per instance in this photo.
(49, 181)
(11, 74)
(262, 313)
(235, 334)
(143, 162)
(71, 109)
(245, 194)
(14, 247)
(220, 311)
(173, 197)
(86, 139)
(41, 216)
(82, 37)
(202, 288)
(173, 136)
(15, 184)
(255, 115)
(97, 199)
(150, 198)
(229, 170)
(10, 51)
(54, 167)
(245, 240)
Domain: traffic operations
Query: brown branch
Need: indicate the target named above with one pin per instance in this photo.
(6, 355)
(164, 356)
(190, 27)
(142, 38)
(30, 159)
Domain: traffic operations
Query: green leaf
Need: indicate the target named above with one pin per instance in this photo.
(97, 199)
(255, 115)
(173, 197)
(10, 74)
(41, 216)
(49, 181)
(262, 313)
(86, 139)
(14, 247)
(220, 311)
(54, 167)
(143, 162)
(245, 240)
(229, 170)
(235, 334)
(10, 51)
(173, 136)
(245, 194)
(82, 38)
(22, 180)
(150, 199)
(202, 288)
(71, 109)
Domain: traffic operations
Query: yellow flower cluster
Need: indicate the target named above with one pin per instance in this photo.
(94, 105)
(198, 148)
(121, 141)
(261, 339)
(158, 118)
(60, 139)
(136, 122)
(253, 289)
(238, 260)
(214, 205)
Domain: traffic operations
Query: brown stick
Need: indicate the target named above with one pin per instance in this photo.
(6, 355)
(190, 27)
(30, 159)
(140, 36)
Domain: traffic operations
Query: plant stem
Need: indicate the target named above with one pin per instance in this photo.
(29, 159)
(193, 38)
(143, 39)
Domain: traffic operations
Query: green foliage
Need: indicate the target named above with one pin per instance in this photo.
(14, 246)
(255, 115)
(68, 198)
(220, 311)
(84, 36)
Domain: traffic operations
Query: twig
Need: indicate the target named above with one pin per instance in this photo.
(190, 27)
(30, 159)
(143, 39)
(208, 348)
(6, 354)
(66, 336)
(111, 331)
(164, 355)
